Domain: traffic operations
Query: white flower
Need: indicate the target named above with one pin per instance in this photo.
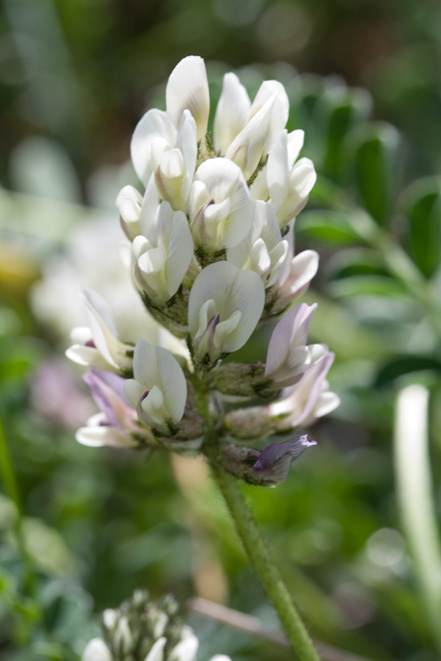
(224, 308)
(175, 171)
(160, 260)
(221, 209)
(97, 650)
(129, 202)
(263, 250)
(154, 134)
(158, 390)
(289, 185)
(231, 113)
(185, 650)
(99, 346)
(187, 89)
(266, 119)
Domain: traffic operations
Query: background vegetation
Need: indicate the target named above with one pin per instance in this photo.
(79, 528)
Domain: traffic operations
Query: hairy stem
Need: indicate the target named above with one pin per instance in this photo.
(263, 563)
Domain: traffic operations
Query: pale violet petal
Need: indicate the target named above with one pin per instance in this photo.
(187, 89)
(293, 327)
(303, 268)
(309, 389)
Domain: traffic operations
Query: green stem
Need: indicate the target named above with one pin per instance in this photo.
(11, 489)
(260, 557)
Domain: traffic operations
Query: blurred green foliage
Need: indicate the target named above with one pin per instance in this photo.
(80, 528)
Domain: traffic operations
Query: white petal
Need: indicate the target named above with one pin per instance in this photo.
(129, 203)
(157, 651)
(153, 134)
(145, 367)
(133, 390)
(327, 402)
(187, 143)
(185, 650)
(102, 325)
(295, 144)
(222, 180)
(187, 89)
(96, 650)
(155, 366)
(266, 91)
(86, 356)
(303, 177)
(231, 112)
(174, 384)
(80, 335)
(149, 208)
(232, 290)
(100, 436)
(277, 171)
(180, 252)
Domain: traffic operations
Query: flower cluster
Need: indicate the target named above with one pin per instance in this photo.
(142, 630)
(212, 257)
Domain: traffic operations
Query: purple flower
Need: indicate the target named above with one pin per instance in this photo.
(274, 462)
(114, 425)
(266, 468)
(107, 391)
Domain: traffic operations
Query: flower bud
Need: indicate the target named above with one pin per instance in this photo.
(266, 468)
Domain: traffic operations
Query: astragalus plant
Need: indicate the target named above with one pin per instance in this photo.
(212, 256)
